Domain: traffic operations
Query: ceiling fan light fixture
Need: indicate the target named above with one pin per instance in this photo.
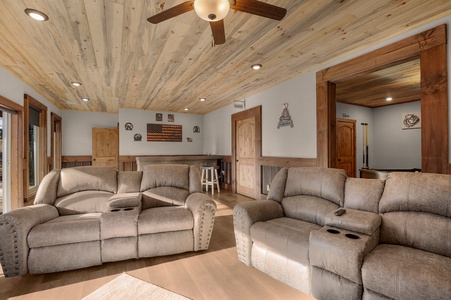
(36, 14)
(212, 10)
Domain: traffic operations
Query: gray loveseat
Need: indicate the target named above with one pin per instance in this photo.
(86, 216)
(393, 241)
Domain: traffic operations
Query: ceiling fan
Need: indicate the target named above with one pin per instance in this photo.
(214, 11)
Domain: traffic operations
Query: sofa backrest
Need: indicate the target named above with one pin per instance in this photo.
(308, 193)
(168, 184)
(90, 178)
(363, 194)
(416, 211)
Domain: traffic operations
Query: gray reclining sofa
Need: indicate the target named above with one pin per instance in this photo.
(86, 216)
(393, 241)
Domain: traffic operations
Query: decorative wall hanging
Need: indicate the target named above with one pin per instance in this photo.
(159, 117)
(128, 126)
(196, 129)
(189, 140)
(285, 118)
(171, 118)
(164, 133)
(137, 137)
(411, 121)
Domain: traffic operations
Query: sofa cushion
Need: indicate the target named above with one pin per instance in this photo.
(320, 182)
(164, 196)
(422, 231)
(129, 181)
(78, 179)
(417, 192)
(124, 200)
(66, 230)
(308, 208)
(46, 193)
(289, 237)
(401, 272)
(164, 219)
(165, 176)
(363, 194)
(83, 202)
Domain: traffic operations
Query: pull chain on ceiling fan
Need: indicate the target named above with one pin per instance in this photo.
(214, 11)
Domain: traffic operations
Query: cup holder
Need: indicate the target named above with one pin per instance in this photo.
(115, 210)
(352, 236)
(333, 231)
(128, 208)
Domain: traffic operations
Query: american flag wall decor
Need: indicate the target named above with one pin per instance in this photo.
(164, 133)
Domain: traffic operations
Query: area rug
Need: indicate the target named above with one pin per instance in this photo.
(129, 287)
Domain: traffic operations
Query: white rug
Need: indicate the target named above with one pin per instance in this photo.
(129, 287)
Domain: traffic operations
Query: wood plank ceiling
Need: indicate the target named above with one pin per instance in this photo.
(123, 61)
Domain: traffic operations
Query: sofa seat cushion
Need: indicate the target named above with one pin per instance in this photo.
(406, 273)
(66, 230)
(286, 236)
(83, 202)
(165, 219)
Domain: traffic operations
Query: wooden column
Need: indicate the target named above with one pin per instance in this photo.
(326, 124)
(434, 110)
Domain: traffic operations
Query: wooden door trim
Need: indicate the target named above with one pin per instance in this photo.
(430, 46)
(256, 113)
(31, 102)
(17, 160)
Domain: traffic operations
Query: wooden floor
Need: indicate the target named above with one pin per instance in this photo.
(212, 274)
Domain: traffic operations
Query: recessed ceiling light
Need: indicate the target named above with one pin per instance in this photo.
(36, 14)
(186, 108)
(256, 66)
(202, 99)
(389, 98)
(85, 99)
(75, 83)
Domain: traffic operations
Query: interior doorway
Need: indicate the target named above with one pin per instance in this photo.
(346, 139)
(246, 151)
(56, 143)
(105, 147)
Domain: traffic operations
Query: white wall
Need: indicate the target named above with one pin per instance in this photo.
(77, 130)
(299, 141)
(361, 115)
(14, 89)
(140, 118)
(395, 148)
(300, 94)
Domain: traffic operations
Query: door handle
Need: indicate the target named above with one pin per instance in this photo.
(339, 159)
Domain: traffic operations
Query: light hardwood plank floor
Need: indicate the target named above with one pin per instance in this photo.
(212, 274)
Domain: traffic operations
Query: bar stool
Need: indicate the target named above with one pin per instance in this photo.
(210, 178)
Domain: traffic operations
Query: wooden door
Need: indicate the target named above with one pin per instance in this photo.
(246, 151)
(105, 147)
(346, 146)
(245, 157)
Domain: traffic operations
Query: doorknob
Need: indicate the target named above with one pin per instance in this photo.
(237, 160)
(339, 159)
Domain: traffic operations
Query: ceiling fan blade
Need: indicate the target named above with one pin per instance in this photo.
(217, 28)
(261, 9)
(172, 12)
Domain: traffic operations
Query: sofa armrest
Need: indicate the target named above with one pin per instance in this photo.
(203, 209)
(14, 228)
(124, 200)
(244, 216)
(355, 220)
